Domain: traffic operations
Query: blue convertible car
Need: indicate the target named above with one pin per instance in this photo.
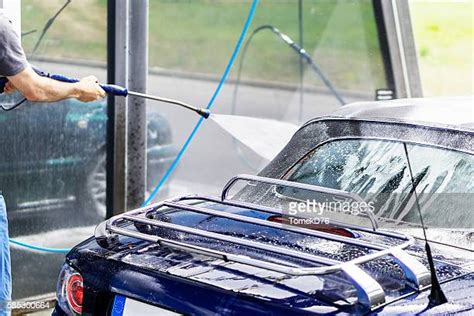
(330, 226)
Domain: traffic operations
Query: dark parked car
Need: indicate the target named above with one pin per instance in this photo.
(53, 160)
(268, 250)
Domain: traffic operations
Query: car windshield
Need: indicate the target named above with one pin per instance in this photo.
(377, 171)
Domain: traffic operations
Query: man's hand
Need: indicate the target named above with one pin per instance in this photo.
(89, 89)
(41, 89)
(9, 87)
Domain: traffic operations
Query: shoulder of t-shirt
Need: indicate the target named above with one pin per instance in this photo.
(5, 25)
(4, 29)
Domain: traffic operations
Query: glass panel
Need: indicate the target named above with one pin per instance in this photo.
(52, 155)
(443, 33)
(378, 171)
(332, 31)
(192, 41)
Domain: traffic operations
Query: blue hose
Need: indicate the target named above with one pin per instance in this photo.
(209, 105)
(39, 248)
(188, 140)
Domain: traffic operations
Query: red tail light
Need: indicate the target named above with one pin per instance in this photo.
(75, 292)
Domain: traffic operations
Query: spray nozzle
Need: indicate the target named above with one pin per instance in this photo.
(203, 112)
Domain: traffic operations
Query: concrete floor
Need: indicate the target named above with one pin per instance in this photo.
(47, 312)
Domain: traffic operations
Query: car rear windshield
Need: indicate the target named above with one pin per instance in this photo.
(377, 170)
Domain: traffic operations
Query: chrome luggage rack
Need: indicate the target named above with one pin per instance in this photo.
(370, 293)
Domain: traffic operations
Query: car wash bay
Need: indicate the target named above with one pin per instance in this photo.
(67, 165)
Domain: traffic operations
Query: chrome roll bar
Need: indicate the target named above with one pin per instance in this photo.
(297, 185)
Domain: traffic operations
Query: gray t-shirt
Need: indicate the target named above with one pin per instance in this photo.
(12, 56)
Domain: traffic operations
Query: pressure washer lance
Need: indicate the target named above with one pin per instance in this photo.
(111, 89)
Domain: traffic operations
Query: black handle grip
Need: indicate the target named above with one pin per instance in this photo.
(114, 89)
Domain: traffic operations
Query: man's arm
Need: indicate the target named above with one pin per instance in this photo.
(41, 89)
(15, 67)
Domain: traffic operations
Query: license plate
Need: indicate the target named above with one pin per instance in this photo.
(124, 306)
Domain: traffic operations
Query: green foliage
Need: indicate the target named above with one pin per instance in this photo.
(199, 35)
